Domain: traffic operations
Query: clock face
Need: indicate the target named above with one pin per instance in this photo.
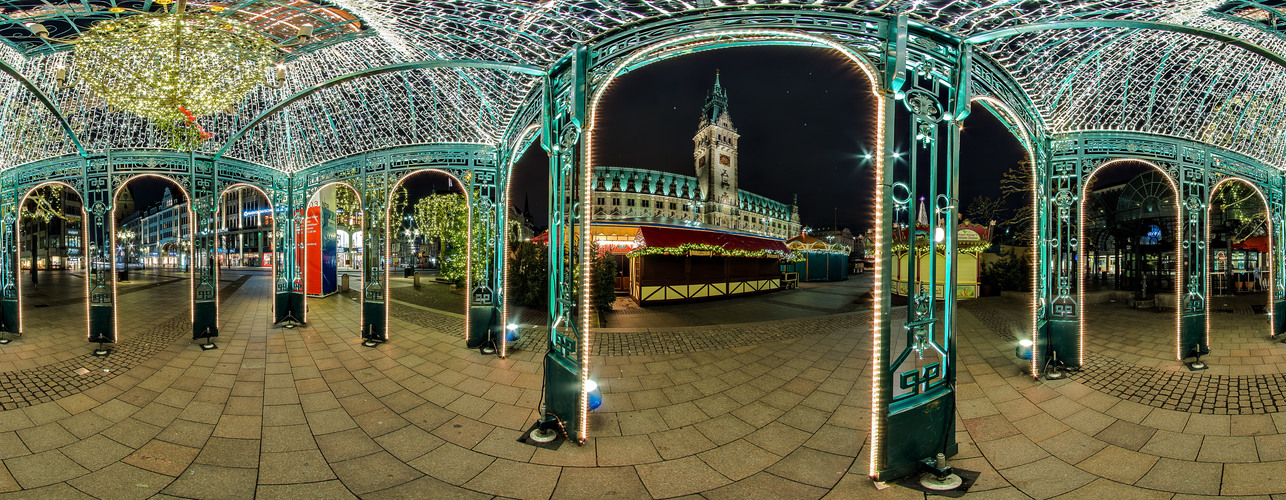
(725, 160)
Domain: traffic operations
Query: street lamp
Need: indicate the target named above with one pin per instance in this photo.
(125, 235)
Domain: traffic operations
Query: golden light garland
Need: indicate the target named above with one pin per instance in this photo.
(173, 66)
(714, 250)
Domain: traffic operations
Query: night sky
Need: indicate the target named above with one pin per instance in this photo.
(148, 190)
(805, 117)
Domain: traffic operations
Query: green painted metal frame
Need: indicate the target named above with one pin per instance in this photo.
(96, 180)
(925, 80)
(993, 35)
(914, 421)
(562, 136)
(373, 175)
(1193, 168)
(926, 87)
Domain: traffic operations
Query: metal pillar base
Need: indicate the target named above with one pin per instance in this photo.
(945, 483)
(540, 435)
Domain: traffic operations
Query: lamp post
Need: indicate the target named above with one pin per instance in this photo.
(125, 235)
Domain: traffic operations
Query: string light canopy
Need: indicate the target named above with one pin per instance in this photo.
(173, 65)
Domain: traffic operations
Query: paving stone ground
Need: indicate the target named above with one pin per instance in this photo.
(309, 412)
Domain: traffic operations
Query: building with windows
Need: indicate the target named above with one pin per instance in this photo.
(636, 208)
(625, 198)
(56, 243)
(161, 234)
(245, 229)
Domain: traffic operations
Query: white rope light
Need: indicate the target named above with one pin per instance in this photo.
(1087, 78)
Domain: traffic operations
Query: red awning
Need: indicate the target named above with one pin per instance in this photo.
(542, 238)
(1253, 243)
(668, 237)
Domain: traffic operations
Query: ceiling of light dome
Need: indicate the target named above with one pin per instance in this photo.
(1196, 89)
(278, 20)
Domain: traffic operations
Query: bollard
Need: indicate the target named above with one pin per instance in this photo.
(417, 279)
(343, 283)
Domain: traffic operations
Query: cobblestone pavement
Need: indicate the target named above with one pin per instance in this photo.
(309, 412)
(53, 314)
(430, 294)
(74, 375)
(1122, 359)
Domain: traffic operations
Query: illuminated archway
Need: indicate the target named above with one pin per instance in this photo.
(84, 261)
(704, 41)
(1272, 250)
(468, 250)
(1082, 205)
(183, 252)
(301, 248)
(272, 240)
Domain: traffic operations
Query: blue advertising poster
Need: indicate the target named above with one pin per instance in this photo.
(329, 271)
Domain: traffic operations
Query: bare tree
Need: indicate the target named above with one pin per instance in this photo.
(984, 209)
(1017, 182)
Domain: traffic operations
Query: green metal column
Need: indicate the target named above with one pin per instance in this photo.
(205, 205)
(288, 291)
(1194, 196)
(9, 197)
(914, 402)
(1059, 256)
(1041, 255)
(374, 193)
(562, 126)
(286, 303)
(1276, 191)
(99, 198)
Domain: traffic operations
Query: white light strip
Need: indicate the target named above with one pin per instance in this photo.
(503, 218)
(716, 38)
(1272, 263)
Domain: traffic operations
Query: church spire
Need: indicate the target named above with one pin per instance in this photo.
(716, 101)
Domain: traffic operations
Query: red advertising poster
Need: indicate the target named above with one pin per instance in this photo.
(312, 251)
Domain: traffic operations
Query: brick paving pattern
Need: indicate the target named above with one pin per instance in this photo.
(1192, 392)
(310, 412)
(1187, 392)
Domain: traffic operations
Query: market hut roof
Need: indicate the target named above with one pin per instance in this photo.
(672, 240)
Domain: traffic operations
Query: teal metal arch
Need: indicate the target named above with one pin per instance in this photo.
(392, 68)
(993, 35)
(1194, 168)
(922, 80)
(374, 174)
(97, 178)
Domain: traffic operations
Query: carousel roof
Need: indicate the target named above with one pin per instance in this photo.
(1210, 71)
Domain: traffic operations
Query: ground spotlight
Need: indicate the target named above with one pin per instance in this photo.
(1023, 349)
(595, 395)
